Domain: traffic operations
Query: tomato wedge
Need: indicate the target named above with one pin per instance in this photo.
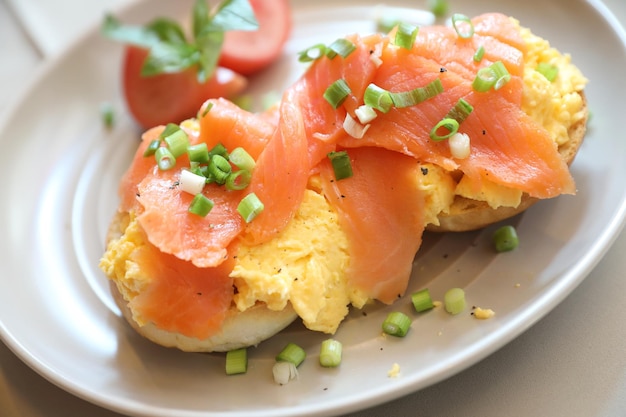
(249, 52)
(172, 98)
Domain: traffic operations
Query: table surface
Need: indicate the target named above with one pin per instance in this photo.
(571, 363)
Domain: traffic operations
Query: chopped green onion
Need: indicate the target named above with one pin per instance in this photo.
(169, 129)
(478, 55)
(386, 23)
(421, 300)
(405, 35)
(450, 125)
(241, 159)
(200, 205)
(283, 372)
(396, 324)
(152, 147)
(454, 300)
(219, 168)
(505, 239)
(502, 74)
(177, 142)
(204, 110)
(342, 166)
(220, 150)
(312, 53)
(417, 95)
(198, 153)
(190, 182)
(485, 80)
(108, 115)
(250, 207)
(342, 47)
(460, 111)
(494, 76)
(291, 353)
(438, 7)
(237, 361)
(377, 98)
(238, 180)
(459, 145)
(330, 353)
(337, 92)
(548, 70)
(354, 128)
(462, 25)
(164, 158)
(365, 114)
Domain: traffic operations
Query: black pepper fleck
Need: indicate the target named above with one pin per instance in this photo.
(424, 171)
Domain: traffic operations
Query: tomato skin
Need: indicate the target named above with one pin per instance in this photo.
(171, 98)
(248, 52)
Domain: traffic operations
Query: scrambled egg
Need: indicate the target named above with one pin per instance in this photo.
(304, 265)
(556, 105)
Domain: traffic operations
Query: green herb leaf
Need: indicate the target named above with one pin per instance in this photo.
(200, 17)
(168, 31)
(168, 58)
(135, 35)
(209, 45)
(234, 15)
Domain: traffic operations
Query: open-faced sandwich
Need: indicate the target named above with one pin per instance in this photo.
(233, 224)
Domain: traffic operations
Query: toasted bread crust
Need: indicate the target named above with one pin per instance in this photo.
(466, 214)
(240, 329)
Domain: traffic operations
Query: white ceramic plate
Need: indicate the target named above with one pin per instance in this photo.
(61, 171)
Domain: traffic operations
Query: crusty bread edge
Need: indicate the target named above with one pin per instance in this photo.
(240, 329)
(466, 214)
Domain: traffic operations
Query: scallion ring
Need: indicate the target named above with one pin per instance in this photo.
(478, 55)
(152, 147)
(291, 353)
(312, 53)
(164, 158)
(462, 25)
(342, 166)
(337, 92)
(219, 168)
(201, 205)
(342, 47)
(236, 361)
(548, 70)
(238, 180)
(396, 324)
(405, 35)
(417, 95)
(451, 126)
(377, 98)
(250, 207)
(330, 353)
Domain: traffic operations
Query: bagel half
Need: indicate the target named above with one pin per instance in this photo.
(240, 329)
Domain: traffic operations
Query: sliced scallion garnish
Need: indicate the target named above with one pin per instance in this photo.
(421, 300)
(478, 55)
(342, 166)
(342, 47)
(177, 142)
(548, 70)
(449, 125)
(462, 25)
(454, 300)
(152, 147)
(417, 95)
(250, 207)
(405, 35)
(191, 182)
(219, 168)
(164, 158)
(312, 53)
(238, 180)
(198, 153)
(241, 159)
(291, 353)
(396, 324)
(201, 205)
(237, 361)
(494, 76)
(108, 115)
(502, 74)
(330, 353)
(460, 111)
(438, 7)
(337, 92)
(377, 98)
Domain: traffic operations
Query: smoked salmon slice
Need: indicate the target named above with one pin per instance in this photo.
(382, 212)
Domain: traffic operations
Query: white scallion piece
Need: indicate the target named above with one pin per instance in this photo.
(191, 183)
(365, 114)
(376, 56)
(459, 145)
(284, 372)
(354, 128)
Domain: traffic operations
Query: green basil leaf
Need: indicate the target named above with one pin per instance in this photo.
(167, 30)
(201, 19)
(234, 15)
(210, 45)
(168, 58)
(135, 35)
